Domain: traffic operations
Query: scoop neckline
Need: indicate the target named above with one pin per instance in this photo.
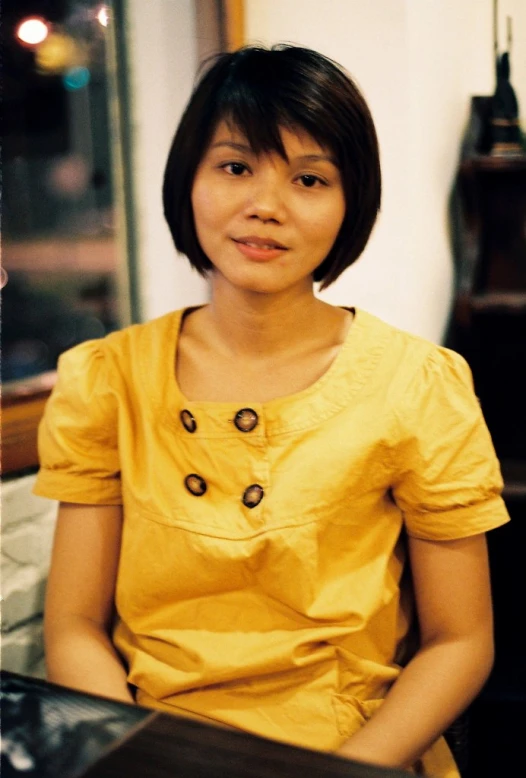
(349, 374)
(333, 368)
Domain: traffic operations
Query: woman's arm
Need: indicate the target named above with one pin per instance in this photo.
(79, 601)
(453, 597)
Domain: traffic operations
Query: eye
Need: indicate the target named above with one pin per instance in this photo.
(235, 168)
(309, 180)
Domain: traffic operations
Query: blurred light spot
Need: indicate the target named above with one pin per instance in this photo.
(76, 78)
(58, 53)
(32, 31)
(69, 176)
(103, 15)
(4, 278)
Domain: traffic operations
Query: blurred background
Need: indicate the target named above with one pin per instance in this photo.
(58, 215)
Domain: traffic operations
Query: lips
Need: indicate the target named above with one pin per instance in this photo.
(258, 249)
(253, 241)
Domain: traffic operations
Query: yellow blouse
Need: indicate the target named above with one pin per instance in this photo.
(265, 591)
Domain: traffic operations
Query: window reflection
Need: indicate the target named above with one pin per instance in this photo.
(59, 247)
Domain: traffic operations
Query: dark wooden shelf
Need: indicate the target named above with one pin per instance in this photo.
(489, 329)
(514, 474)
(487, 163)
(507, 302)
(22, 407)
(493, 239)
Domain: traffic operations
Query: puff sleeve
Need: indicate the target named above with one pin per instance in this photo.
(78, 434)
(448, 476)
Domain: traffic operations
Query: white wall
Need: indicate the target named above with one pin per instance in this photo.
(161, 41)
(418, 62)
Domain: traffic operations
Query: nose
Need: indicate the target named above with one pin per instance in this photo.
(265, 199)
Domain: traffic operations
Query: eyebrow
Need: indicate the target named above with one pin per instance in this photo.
(248, 150)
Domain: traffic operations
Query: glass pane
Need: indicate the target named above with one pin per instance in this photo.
(59, 245)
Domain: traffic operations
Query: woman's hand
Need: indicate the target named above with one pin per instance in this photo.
(79, 601)
(453, 598)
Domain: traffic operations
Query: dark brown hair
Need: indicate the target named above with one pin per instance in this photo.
(260, 91)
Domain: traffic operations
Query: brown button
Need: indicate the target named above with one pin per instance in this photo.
(253, 495)
(195, 484)
(188, 421)
(246, 419)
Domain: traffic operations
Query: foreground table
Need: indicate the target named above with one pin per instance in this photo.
(52, 732)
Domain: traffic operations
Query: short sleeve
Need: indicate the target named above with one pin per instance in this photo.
(449, 482)
(77, 437)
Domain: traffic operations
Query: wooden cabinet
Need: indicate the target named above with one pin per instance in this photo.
(489, 322)
(489, 328)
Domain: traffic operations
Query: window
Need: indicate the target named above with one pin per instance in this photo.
(68, 262)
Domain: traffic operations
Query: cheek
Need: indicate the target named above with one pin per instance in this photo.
(201, 205)
(210, 209)
(326, 226)
(337, 218)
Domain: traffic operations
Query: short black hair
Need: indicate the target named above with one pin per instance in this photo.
(260, 91)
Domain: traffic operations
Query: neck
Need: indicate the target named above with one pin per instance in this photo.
(249, 323)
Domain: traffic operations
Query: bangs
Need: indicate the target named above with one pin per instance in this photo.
(259, 104)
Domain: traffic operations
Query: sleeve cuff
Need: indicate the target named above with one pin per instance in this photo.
(458, 522)
(80, 489)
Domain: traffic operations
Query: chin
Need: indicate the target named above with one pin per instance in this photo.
(265, 283)
(270, 288)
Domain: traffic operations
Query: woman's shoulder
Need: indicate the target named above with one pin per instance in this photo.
(411, 351)
(411, 369)
(136, 355)
(153, 334)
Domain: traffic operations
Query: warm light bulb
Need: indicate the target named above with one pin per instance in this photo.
(32, 31)
(58, 53)
(103, 15)
(3, 278)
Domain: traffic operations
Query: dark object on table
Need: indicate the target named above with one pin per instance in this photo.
(51, 731)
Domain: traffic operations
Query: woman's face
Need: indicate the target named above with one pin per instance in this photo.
(264, 222)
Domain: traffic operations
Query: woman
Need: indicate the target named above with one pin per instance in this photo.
(245, 480)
